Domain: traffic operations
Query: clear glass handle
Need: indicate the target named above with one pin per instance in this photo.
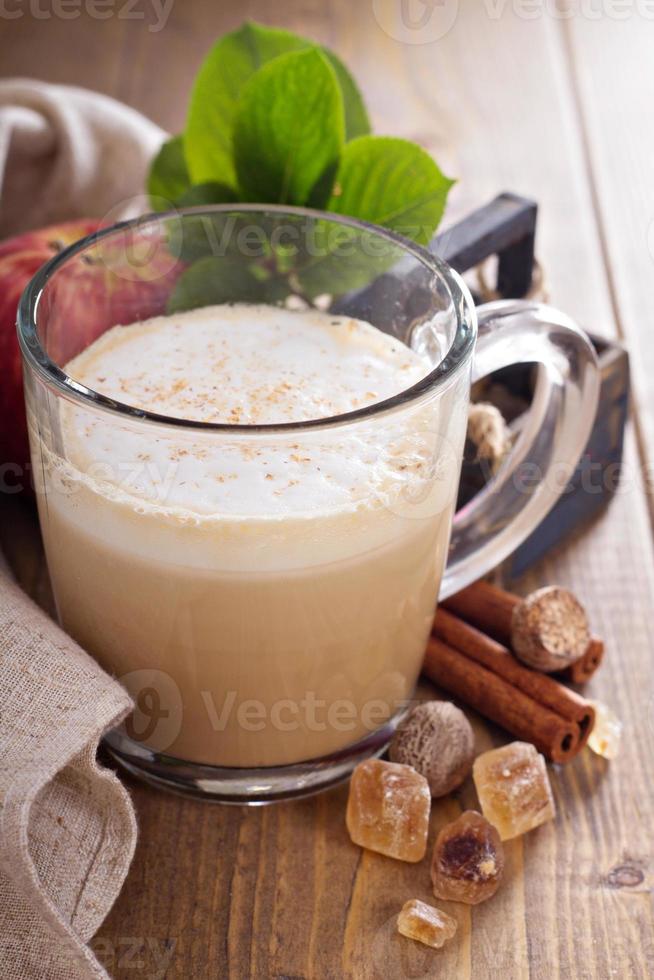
(554, 434)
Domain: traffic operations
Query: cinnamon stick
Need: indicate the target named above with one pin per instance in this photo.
(491, 609)
(498, 658)
(585, 667)
(487, 607)
(495, 698)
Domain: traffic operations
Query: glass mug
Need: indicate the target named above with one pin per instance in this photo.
(270, 647)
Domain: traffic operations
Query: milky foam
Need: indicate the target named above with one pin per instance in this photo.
(247, 365)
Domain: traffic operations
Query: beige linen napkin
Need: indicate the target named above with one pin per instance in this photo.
(67, 153)
(67, 828)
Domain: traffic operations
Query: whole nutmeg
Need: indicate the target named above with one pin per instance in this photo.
(437, 740)
(549, 629)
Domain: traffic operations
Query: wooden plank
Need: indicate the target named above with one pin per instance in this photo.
(78, 52)
(478, 102)
(570, 914)
(130, 57)
(611, 64)
(281, 892)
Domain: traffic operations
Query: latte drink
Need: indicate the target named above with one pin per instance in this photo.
(265, 593)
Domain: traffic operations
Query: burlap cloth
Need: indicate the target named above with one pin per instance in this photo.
(67, 153)
(67, 827)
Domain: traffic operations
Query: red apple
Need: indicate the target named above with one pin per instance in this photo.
(20, 258)
(119, 280)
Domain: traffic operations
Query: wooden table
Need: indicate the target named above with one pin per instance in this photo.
(512, 97)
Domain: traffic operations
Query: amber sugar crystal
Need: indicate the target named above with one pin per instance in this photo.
(423, 922)
(605, 737)
(388, 809)
(514, 789)
(468, 860)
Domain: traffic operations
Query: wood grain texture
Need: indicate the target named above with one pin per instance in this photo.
(613, 94)
(552, 109)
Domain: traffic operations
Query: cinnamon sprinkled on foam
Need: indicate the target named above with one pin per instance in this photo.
(249, 365)
(241, 364)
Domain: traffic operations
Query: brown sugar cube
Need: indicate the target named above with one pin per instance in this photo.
(513, 788)
(468, 860)
(388, 809)
(426, 924)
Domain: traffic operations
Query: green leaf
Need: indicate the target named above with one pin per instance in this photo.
(393, 183)
(168, 177)
(229, 65)
(221, 233)
(226, 69)
(356, 116)
(209, 193)
(213, 280)
(227, 279)
(343, 259)
(200, 235)
(289, 129)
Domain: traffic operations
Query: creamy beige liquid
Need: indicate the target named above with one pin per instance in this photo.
(266, 599)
